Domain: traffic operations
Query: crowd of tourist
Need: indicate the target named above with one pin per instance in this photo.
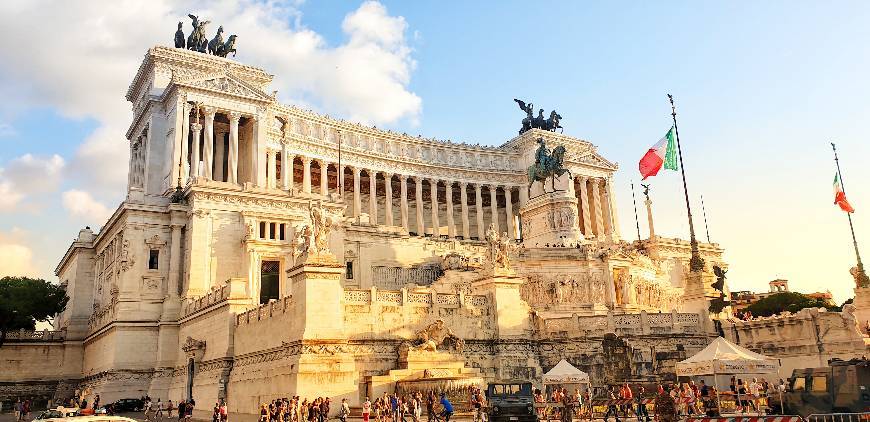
(160, 409)
(388, 408)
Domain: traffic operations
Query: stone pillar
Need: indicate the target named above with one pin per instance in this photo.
(219, 154)
(388, 199)
(463, 191)
(509, 213)
(596, 196)
(611, 207)
(286, 168)
(433, 195)
(373, 196)
(478, 207)
(194, 151)
(403, 203)
(524, 195)
(493, 206)
(605, 209)
(208, 143)
(258, 149)
(649, 219)
(448, 190)
(233, 153)
(511, 312)
(182, 145)
(584, 205)
(324, 178)
(357, 200)
(418, 183)
(271, 170)
(341, 181)
(306, 174)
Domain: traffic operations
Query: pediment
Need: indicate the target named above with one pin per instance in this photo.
(592, 158)
(226, 83)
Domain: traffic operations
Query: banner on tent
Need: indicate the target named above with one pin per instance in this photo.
(725, 367)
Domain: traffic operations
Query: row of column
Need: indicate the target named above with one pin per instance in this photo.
(204, 133)
(595, 206)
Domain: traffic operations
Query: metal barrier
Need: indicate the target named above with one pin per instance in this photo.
(780, 418)
(839, 417)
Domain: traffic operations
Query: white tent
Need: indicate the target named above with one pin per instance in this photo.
(722, 357)
(565, 373)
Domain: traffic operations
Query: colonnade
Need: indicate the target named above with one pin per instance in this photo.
(597, 217)
(218, 158)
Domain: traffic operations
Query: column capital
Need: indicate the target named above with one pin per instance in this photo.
(387, 175)
(209, 111)
(403, 177)
(463, 184)
(187, 107)
(196, 127)
(234, 117)
(356, 170)
(305, 159)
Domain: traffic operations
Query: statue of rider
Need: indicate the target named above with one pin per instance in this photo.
(542, 155)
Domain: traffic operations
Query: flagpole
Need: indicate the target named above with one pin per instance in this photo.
(633, 201)
(706, 227)
(861, 279)
(696, 264)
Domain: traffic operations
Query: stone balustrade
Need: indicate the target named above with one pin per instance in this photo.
(193, 305)
(404, 298)
(622, 324)
(44, 335)
(265, 311)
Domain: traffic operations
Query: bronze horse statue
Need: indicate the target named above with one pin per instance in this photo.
(226, 48)
(547, 165)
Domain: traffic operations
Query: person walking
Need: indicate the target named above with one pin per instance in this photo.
(147, 408)
(430, 407)
(158, 415)
(642, 412)
(611, 405)
(19, 410)
(223, 411)
(182, 407)
(169, 409)
(344, 411)
(366, 410)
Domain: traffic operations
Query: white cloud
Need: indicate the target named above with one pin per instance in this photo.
(16, 257)
(84, 55)
(26, 175)
(82, 205)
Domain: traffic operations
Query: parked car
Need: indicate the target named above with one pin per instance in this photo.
(126, 405)
(58, 412)
(95, 418)
(511, 402)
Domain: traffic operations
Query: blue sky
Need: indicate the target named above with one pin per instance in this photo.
(761, 90)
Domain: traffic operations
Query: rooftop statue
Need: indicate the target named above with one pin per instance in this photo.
(217, 41)
(179, 36)
(197, 40)
(547, 164)
(531, 122)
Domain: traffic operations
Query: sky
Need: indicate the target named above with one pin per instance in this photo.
(761, 88)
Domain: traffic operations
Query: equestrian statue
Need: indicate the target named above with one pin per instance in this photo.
(531, 122)
(547, 164)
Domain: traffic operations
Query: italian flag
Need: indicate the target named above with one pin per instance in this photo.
(840, 196)
(663, 153)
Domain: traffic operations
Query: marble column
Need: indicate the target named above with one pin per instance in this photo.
(341, 181)
(306, 174)
(584, 208)
(174, 259)
(219, 154)
(287, 168)
(357, 200)
(403, 203)
(196, 129)
(478, 205)
(324, 178)
(233, 153)
(509, 213)
(596, 197)
(463, 192)
(493, 207)
(179, 172)
(605, 208)
(388, 199)
(611, 205)
(448, 200)
(271, 169)
(433, 195)
(208, 143)
(421, 227)
(373, 196)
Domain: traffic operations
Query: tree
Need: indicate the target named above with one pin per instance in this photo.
(24, 300)
(787, 301)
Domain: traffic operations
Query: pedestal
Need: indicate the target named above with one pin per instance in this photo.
(699, 290)
(550, 216)
(862, 307)
(316, 288)
(511, 311)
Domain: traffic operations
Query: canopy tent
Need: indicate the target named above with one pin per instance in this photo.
(565, 373)
(723, 357)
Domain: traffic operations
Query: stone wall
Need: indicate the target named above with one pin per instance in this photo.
(805, 339)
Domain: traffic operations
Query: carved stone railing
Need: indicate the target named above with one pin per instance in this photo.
(623, 324)
(405, 298)
(44, 335)
(265, 311)
(193, 305)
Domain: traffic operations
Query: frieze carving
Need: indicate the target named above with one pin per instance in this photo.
(192, 345)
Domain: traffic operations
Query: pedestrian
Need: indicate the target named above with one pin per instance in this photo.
(642, 412)
(169, 409)
(264, 413)
(216, 412)
(324, 409)
(97, 402)
(448, 408)
(182, 407)
(188, 412)
(147, 409)
(611, 405)
(628, 397)
(19, 409)
(344, 411)
(430, 407)
(158, 416)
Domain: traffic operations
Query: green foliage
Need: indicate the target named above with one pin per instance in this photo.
(787, 301)
(24, 300)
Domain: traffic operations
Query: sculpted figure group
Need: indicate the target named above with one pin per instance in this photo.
(532, 122)
(314, 237)
(499, 248)
(438, 335)
(587, 290)
(197, 40)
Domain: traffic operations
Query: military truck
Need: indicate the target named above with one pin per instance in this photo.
(841, 387)
(511, 402)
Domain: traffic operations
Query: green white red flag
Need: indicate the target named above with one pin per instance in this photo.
(662, 154)
(840, 196)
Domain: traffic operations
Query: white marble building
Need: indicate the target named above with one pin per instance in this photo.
(196, 286)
